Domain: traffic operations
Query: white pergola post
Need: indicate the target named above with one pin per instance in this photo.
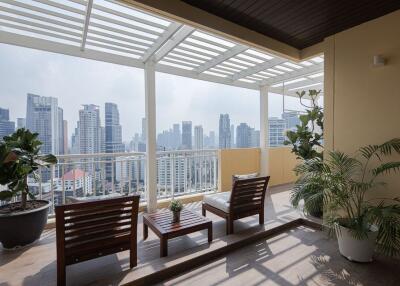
(151, 146)
(264, 156)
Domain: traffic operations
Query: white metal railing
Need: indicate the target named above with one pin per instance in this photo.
(80, 176)
(186, 172)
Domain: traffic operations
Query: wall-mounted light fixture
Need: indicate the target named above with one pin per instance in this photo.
(379, 61)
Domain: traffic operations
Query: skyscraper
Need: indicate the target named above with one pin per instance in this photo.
(243, 136)
(113, 135)
(187, 135)
(89, 130)
(144, 132)
(7, 127)
(254, 138)
(212, 139)
(277, 127)
(232, 136)
(224, 131)
(21, 123)
(292, 119)
(198, 137)
(42, 116)
(60, 122)
(65, 129)
(176, 129)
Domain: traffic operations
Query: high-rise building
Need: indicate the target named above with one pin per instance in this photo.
(144, 132)
(113, 135)
(7, 127)
(42, 116)
(292, 119)
(224, 131)
(65, 129)
(243, 136)
(113, 129)
(61, 140)
(187, 135)
(232, 136)
(21, 123)
(254, 138)
(176, 129)
(90, 131)
(212, 143)
(198, 137)
(276, 131)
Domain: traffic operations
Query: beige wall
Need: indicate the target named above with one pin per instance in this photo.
(363, 102)
(245, 161)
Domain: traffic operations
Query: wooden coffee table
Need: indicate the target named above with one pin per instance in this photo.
(161, 224)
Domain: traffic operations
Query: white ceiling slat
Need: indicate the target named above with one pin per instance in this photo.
(43, 11)
(175, 40)
(86, 24)
(257, 68)
(296, 74)
(124, 24)
(114, 48)
(210, 42)
(118, 38)
(61, 6)
(178, 62)
(203, 47)
(122, 32)
(171, 30)
(40, 18)
(128, 16)
(193, 51)
(38, 25)
(175, 51)
(170, 55)
(106, 41)
(70, 50)
(221, 58)
(37, 31)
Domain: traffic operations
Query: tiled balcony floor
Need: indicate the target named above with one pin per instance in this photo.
(36, 265)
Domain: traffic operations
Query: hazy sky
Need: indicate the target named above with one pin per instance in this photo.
(76, 81)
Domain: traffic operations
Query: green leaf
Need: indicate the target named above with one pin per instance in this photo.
(6, 195)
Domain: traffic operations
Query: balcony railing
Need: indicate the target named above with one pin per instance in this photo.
(78, 177)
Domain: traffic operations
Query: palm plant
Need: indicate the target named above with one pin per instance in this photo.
(347, 182)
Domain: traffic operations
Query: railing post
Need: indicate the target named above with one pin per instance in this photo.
(264, 156)
(151, 147)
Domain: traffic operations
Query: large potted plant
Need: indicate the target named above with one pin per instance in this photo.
(306, 142)
(362, 220)
(21, 221)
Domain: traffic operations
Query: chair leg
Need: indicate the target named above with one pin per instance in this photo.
(261, 217)
(133, 257)
(203, 210)
(61, 279)
(229, 226)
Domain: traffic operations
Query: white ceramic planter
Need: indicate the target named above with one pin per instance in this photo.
(354, 249)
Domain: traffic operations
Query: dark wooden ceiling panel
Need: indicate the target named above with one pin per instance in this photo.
(299, 23)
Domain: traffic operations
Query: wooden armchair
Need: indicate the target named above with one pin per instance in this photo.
(246, 199)
(93, 229)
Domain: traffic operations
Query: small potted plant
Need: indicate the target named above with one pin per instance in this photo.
(175, 207)
(23, 221)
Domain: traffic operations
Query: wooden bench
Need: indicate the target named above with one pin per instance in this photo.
(246, 199)
(93, 229)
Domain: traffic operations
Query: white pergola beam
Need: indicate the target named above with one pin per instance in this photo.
(167, 35)
(264, 140)
(151, 144)
(86, 23)
(175, 40)
(221, 58)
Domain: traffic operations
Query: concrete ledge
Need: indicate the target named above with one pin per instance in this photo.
(164, 268)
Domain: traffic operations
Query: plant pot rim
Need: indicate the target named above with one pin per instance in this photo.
(372, 228)
(18, 213)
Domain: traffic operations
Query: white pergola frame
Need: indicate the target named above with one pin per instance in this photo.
(110, 31)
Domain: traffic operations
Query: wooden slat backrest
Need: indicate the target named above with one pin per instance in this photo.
(93, 229)
(248, 194)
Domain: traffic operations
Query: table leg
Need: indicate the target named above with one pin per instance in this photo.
(145, 231)
(163, 246)
(210, 233)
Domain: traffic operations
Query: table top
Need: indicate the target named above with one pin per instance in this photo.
(162, 221)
